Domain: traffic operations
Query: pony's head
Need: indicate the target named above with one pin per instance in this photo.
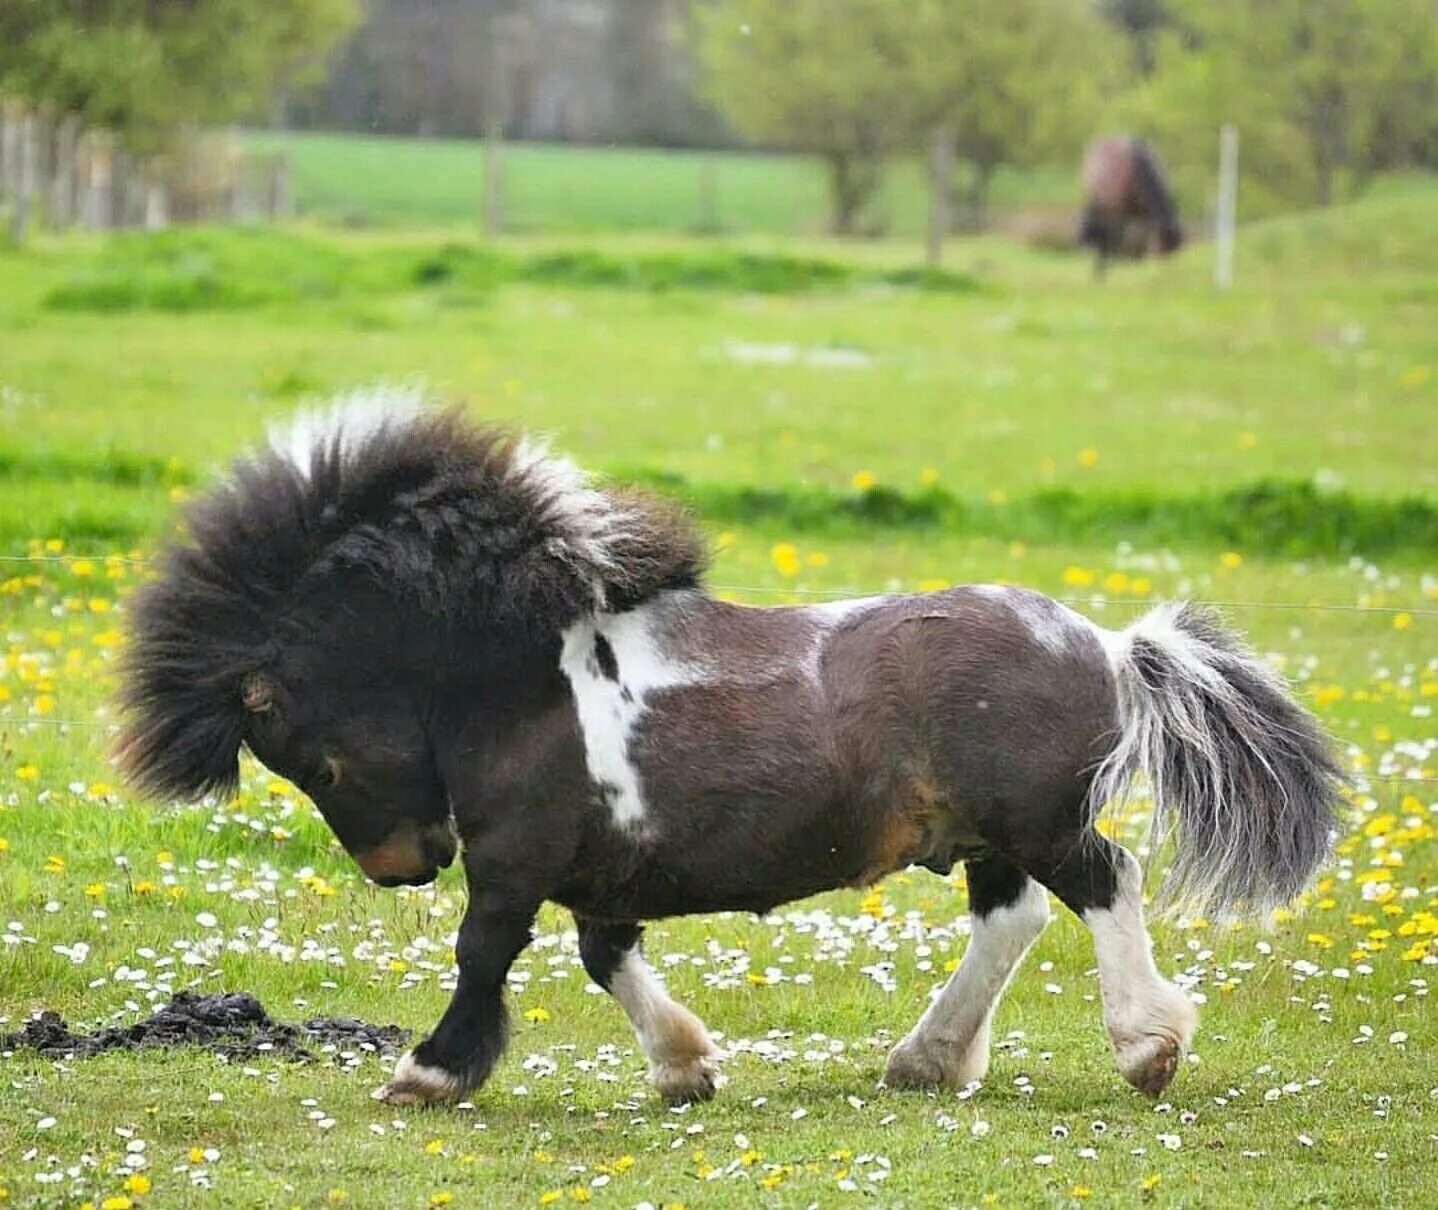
(340, 598)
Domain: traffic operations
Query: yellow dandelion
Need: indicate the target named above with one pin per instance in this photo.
(139, 1183)
(28, 773)
(817, 559)
(580, 1193)
(538, 1014)
(785, 557)
(543, 1157)
(4, 845)
(1415, 376)
(1150, 1183)
(1401, 621)
(1246, 441)
(434, 1147)
(935, 585)
(1231, 560)
(997, 495)
(118, 1202)
(179, 494)
(1079, 577)
(773, 1180)
(442, 1198)
(1088, 457)
(98, 604)
(54, 865)
(550, 1196)
(95, 889)
(864, 480)
(928, 476)
(726, 539)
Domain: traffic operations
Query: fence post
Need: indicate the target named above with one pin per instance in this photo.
(24, 189)
(60, 204)
(494, 177)
(282, 198)
(1227, 205)
(708, 196)
(941, 194)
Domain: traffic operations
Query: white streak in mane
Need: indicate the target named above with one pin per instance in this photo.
(351, 419)
(589, 523)
(611, 709)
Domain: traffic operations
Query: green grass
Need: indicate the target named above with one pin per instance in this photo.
(1104, 444)
(364, 180)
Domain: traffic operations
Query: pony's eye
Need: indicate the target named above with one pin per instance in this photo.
(329, 774)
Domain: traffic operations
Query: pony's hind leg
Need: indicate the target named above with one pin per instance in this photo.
(950, 1044)
(680, 1051)
(1150, 1021)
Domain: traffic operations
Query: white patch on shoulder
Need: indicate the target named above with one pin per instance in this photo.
(830, 615)
(610, 708)
(350, 419)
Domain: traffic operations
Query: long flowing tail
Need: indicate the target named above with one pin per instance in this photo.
(1242, 776)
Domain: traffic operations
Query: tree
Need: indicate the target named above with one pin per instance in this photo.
(817, 75)
(147, 69)
(994, 82)
(1324, 92)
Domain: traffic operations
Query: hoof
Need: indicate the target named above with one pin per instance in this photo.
(686, 1083)
(1149, 1064)
(915, 1065)
(416, 1084)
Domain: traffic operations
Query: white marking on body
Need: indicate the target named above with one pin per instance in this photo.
(680, 1051)
(1149, 1020)
(611, 710)
(830, 616)
(950, 1044)
(1053, 625)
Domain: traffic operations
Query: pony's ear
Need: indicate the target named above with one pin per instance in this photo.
(258, 693)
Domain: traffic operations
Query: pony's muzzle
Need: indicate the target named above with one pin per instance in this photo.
(411, 855)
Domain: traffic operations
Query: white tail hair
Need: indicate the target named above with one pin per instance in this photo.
(1242, 776)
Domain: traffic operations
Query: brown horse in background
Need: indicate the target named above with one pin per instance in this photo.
(1128, 208)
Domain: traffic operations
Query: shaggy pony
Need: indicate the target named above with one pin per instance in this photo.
(447, 637)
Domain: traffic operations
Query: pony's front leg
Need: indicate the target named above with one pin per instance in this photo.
(470, 1037)
(680, 1051)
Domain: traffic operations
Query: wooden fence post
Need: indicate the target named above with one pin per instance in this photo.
(24, 190)
(494, 177)
(941, 194)
(1227, 205)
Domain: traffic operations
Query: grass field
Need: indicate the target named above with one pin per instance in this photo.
(813, 411)
(362, 180)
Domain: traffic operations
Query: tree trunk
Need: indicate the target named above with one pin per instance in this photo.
(941, 193)
(851, 184)
(976, 217)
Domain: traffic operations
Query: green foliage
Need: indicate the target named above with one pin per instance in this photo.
(146, 70)
(819, 75)
(212, 270)
(1014, 81)
(1323, 93)
(1271, 517)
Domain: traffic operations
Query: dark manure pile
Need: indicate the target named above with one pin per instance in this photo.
(233, 1025)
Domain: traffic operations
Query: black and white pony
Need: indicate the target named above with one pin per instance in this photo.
(452, 641)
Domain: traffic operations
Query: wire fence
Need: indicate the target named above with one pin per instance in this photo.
(843, 592)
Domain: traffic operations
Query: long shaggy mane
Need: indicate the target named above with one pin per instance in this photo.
(470, 525)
